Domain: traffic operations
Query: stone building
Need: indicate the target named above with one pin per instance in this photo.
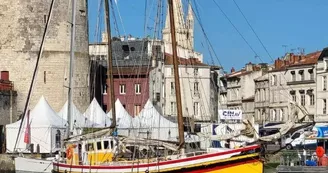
(262, 99)
(291, 80)
(199, 90)
(222, 103)
(321, 90)
(241, 88)
(22, 25)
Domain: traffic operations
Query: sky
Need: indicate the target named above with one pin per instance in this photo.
(293, 23)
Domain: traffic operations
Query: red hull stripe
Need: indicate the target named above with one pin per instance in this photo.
(204, 169)
(159, 163)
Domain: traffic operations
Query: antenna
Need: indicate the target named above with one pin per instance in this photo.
(301, 50)
(285, 46)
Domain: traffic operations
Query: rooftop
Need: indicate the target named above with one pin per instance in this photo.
(168, 60)
(292, 60)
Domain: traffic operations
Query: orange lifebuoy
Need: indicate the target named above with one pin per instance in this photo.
(320, 151)
(69, 153)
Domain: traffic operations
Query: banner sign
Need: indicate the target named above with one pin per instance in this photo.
(322, 132)
(230, 114)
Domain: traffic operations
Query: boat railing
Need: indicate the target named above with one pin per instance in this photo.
(129, 161)
(298, 158)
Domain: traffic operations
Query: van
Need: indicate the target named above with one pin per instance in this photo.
(297, 140)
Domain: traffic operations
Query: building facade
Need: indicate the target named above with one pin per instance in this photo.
(241, 88)
(133, 59)
(22, 25)
(199, 95)
(130, 87)
(293, 80)
(321, 90)
(262, 99)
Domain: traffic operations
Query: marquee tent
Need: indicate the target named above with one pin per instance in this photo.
(45, 125)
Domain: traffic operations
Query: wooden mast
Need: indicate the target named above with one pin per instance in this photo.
(176, 76)
(110, 67)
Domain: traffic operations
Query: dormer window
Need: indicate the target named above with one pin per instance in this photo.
(301, 72)
(293, 75)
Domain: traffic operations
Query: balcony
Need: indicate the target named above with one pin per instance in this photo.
(301, 82)
(233, 102)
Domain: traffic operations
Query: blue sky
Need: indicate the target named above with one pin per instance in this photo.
(295, 23)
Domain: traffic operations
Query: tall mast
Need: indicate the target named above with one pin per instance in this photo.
(176, 75)
(110, 67)
(71, 65)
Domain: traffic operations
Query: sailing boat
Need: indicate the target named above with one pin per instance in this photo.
(104, 152)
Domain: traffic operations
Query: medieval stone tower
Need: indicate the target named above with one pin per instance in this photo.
(22, 25)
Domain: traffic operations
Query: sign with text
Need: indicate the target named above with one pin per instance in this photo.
(230, 114)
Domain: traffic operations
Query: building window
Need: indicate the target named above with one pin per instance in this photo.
(302, 97)
(105, 89)
(172, 89)
(172, 72)
(158, 97)
(196, 90)
(293, 76)
(273, 115)
(137, 109)
(44, 77)
(137, 88)
(324, 83)
(274, 80)
(301, 72)
(195, 71)
(311, 96)
(311, 74)
(122, 89)
(324, 106)
(173, 108)
(196, 108)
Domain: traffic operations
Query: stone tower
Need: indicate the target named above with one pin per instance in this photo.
(184, 28)
(22, 25)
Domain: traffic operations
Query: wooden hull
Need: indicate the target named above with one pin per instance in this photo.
(209, 163)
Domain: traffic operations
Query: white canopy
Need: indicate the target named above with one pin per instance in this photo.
(123, 119)
(44, 123)
(95, 114)
(158, 126)
(80, 120)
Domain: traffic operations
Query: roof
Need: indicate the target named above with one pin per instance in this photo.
(168, 60)
(323, 54)
(243, 72)
(292, 60)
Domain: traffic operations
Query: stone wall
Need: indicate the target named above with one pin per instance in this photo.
(22, 24)
(8, 109)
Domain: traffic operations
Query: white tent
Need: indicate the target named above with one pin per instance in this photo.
(45, 125)
(123, 119)
(158, 126)
(79, 119)
(95, 114)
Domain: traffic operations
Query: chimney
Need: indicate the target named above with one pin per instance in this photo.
(249, 67)
(5, 75)
(232, 70)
